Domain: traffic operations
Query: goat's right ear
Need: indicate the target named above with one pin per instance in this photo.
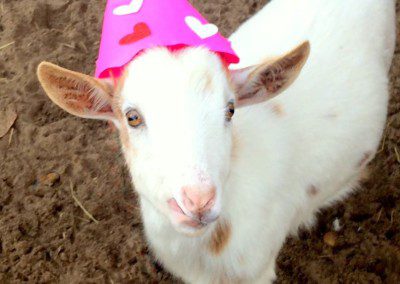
(78, 94)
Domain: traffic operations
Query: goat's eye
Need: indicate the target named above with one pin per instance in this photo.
(134, 118)
(230, 111)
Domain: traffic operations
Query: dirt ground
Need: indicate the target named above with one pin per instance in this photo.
(44, 235)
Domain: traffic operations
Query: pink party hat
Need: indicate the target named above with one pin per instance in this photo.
(131, 26)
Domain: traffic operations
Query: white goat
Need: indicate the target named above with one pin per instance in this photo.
(220, 193)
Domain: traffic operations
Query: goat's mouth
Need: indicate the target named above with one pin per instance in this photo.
(196, 222)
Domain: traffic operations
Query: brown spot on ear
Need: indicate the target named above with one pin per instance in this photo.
(365, 160)
(277, 75)
(278, 109)
(76, 95)
(313, 191)
(220, 237)
(272, 80)
(296, 58)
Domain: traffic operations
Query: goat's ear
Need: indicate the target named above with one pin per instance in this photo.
(78, 94)
(260, 83)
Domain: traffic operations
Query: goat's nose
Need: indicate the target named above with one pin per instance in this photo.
(198, 199)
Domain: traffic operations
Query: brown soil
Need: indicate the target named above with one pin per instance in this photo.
(46, 237)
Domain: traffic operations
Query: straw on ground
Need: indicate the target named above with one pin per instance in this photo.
(11, 136)
(385, 133)
(80, 204)
(397, 154)
(6, 45)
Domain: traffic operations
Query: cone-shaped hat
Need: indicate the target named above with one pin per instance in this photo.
(131, 26)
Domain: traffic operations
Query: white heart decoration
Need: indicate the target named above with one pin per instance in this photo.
(131, 8)
(203, 31)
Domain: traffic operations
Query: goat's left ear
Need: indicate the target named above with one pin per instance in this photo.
(260, 83)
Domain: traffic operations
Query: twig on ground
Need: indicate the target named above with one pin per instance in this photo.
(68, 45)
(80, 204)
(385, 132)
(391, 217)
(397, 154)
(325, 256)
(7, 45)
(80, 218)
(383, 143)
(83, 46)
(11, 136)
(379, 215)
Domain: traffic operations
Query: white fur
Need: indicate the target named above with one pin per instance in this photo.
(333, 114)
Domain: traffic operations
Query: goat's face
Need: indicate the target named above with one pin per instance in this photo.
(175, 113)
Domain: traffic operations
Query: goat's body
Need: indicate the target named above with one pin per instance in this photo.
(300, 151)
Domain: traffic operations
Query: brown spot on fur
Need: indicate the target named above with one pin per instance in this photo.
(365, 160)
(119, 115)
(235, 146)
(121, 82)
(117, 109)
(220, 237)
(278, 109)
(241, 260)
(226, 280)
(124, 136)
(313, 191)
(111, 127)
(331, 115)
(209, 82)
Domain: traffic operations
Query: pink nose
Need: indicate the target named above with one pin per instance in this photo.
(198, 199)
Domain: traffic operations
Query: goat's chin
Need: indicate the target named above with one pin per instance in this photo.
(191, 232)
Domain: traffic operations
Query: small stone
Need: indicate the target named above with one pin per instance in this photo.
(50, 179)
(22, 247)
(336, 225)
(330, 239)
(63, 257)
(46, 277)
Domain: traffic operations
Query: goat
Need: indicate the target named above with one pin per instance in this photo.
(228, 163)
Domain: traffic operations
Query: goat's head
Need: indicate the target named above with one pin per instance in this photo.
(175, 112)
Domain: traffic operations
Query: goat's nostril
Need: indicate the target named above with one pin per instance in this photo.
(198, 199)
(210, 203)
(191, 202)
(187, 199)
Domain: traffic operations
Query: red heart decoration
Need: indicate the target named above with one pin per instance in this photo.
(140, 31)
